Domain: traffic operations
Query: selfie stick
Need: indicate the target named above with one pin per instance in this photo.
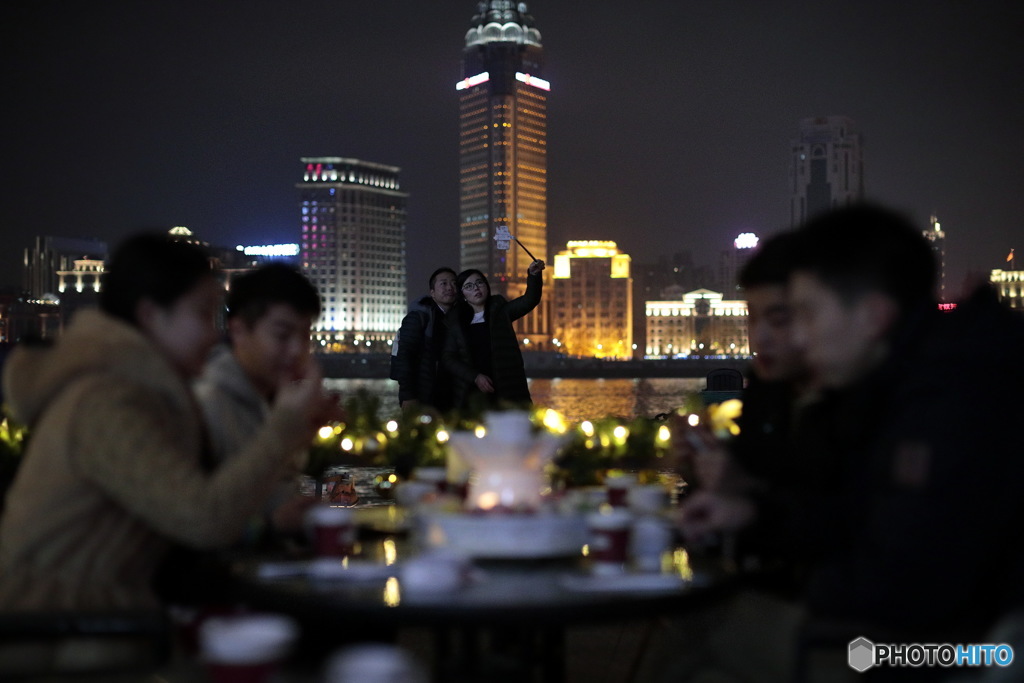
(525, 249)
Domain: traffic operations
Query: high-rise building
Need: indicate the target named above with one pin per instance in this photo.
(503, 152)
(352, 248)
(937, 239)
(828, 167)
(592, 302)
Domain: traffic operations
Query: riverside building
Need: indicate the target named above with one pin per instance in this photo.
(700, 324)
(503, 153)
(1009, 286)
(352, 249)
(592, 302)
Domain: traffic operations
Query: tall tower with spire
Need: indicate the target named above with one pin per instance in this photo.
(503, 152)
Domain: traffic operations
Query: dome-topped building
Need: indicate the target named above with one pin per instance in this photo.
(502, 21)
(503, 153)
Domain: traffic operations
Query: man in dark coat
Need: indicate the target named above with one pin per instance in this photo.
(416, 354)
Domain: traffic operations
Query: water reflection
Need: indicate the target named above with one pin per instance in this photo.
(576, 399)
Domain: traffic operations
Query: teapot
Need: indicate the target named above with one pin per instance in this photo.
(505, 464)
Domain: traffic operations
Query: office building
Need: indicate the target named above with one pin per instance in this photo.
(827, 168)
(352, 248)
(701, 324)
(592, 306)
(503, 152)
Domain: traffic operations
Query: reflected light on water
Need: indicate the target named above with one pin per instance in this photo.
(390, 551)
(392, 594)
(680, 564)
(575, 400)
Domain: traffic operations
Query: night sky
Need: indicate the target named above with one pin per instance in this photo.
(669, 122)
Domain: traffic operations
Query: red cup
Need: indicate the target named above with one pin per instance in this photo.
(332, 530)
(609, 539)
(618, 489)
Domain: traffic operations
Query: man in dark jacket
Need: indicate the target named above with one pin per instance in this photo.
(416, 354)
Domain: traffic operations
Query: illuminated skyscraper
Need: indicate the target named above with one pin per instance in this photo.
(352, 248)
(503, 152)
(828, 167)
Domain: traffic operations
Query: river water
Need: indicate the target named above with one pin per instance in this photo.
(575, 399)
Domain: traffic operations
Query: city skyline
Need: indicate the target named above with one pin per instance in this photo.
(669, 129)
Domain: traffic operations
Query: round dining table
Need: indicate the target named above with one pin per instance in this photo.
(517, 605)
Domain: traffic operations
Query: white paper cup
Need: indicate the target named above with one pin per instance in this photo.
(647, 498)
(650, 539)
(246, 648)
(332, 530)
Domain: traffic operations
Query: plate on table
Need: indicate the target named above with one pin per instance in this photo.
(507, 536)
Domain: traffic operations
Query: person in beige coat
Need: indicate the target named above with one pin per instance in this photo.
(114, 471)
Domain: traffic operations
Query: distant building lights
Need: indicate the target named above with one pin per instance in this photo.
(538, 83)
(746, 240)
(474, 80)
(270, 250)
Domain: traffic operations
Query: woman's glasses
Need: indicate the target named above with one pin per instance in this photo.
(473, 284)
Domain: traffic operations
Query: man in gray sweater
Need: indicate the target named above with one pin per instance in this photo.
(270, 311)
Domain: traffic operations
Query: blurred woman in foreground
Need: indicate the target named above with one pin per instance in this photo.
(115, 470)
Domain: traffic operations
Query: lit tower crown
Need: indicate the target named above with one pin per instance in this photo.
(503, 151)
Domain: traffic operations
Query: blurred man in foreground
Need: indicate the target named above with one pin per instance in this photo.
(905, 471)
(270, 311)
